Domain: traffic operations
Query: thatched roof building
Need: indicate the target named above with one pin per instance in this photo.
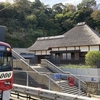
(81, 38)
(80, 35)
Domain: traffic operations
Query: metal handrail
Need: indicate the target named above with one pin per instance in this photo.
(26, 67)
(37, 76)
(16, 55)
(45, 62)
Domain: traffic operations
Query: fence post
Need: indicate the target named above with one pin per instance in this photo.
(79, 86)
(49, 81)
(27, 79)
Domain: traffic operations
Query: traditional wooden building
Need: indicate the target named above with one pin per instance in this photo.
(70, 47)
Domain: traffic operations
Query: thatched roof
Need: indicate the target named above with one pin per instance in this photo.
(80, 35)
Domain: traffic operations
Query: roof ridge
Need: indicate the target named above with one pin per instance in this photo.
(50, 37)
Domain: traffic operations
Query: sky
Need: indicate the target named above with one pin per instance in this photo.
(52, 2)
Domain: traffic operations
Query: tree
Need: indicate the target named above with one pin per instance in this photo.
(92, 57)
(59, 16)
(67, 24)
(96, 15)
(58, 7)
(82, 14)
(25, 3)
(22, 6)
(48, 11)
(24, 19)
(38, 3)
(42, 18)
(31, 20)
(7, 10)
(87, 4)
(69, 7)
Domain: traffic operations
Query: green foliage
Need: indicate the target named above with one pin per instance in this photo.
(92, 57)
(58, 7)
(75, 66)
(87, 4)
(26, 21)
(59, 16)
(96, 15)
(31, 18)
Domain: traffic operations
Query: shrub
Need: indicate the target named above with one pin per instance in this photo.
(92, 57)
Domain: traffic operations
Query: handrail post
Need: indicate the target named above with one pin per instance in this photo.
(79, 85)
(27, 79)
(49, 81)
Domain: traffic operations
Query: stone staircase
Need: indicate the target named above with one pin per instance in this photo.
(62, 82)
(70, 89)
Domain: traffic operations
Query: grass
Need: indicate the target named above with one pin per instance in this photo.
(76, 66)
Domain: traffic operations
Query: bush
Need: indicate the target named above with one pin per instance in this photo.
(74, 66)
(92, 57)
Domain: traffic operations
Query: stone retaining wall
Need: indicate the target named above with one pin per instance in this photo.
(92, 88)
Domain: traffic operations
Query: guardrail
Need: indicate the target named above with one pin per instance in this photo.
(30, 93)
(78, 81)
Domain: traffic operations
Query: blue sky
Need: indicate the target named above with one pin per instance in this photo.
(52, 2)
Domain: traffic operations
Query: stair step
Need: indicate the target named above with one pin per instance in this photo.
(74, 90)
(71, 90)
(75, 93)
(69, 87)
(64, 84)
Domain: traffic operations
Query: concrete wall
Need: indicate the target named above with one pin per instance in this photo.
(87, 74)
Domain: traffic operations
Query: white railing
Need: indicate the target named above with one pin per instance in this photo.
(31, 92)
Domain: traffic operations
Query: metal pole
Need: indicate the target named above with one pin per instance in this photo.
(79, 85)
(49, 81)
(27, 79)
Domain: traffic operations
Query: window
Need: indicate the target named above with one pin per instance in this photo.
(53, 55)
(64, 55)
(72, 56)
(5, 61)
(57, 55)
(68, 55)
